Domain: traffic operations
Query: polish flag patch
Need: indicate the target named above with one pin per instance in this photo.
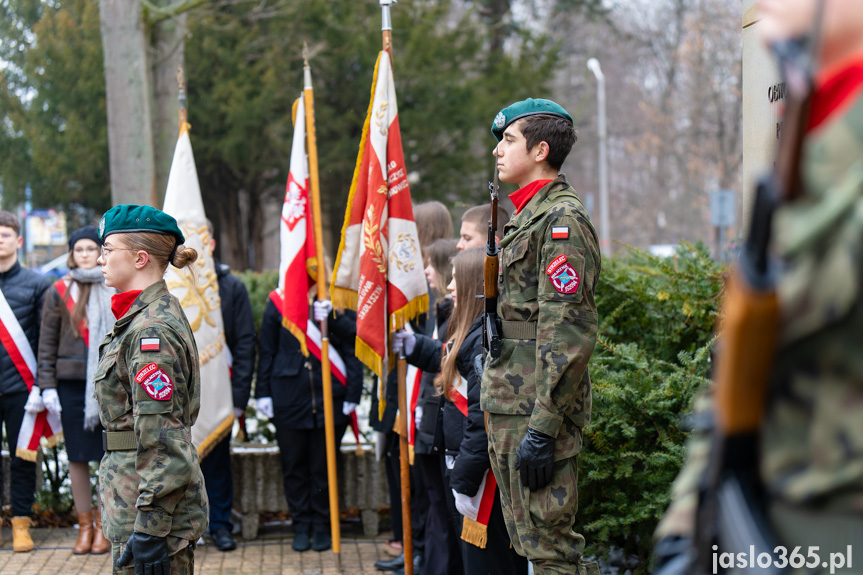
(560, 232)
(155, 382)
(150, 344)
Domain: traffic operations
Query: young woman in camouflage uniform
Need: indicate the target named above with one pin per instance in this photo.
(154, 505)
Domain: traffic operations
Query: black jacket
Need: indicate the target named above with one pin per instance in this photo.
(464, 437)
(239, 332)
(284, 373)
(24, 290)
(429, 434)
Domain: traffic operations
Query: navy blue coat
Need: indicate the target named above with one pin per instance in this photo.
(24, 290)
(239, 332)
(294, 381)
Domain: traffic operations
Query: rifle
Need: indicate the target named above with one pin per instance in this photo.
(731, 510)
(490, 331)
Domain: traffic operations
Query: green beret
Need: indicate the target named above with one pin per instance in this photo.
(529, 107)
(129, 218)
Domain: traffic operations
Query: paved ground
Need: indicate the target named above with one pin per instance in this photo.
(270, 554)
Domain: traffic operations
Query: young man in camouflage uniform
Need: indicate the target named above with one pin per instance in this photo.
(537, 393)
(810, 448)
(154, 504)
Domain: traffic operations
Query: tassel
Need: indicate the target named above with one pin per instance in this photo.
(474, 533)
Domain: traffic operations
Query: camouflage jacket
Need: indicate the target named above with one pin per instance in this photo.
(812, 436)
(549, 268)
(148, 382)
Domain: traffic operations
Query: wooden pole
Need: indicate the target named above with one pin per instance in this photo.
(332, 480)
(401, 372)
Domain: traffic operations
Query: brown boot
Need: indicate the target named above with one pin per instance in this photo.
(100, 544)
(21, 540)
(85, 534)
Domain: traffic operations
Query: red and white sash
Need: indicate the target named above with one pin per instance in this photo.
(74, 292)
(34, 426)
(337, 364)
(476, 514)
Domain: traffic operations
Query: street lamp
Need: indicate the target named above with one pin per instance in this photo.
(604, 223)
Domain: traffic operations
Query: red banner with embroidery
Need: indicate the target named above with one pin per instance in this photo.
(69, 294)
(337, 364)
(379, 271)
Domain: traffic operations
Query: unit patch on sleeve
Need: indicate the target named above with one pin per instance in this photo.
(558, 261)
(560, 232)
(564, 278)
(155, 382)
(149, 344)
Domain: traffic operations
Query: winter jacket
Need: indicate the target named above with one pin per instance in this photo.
(294, 381)
(429, 434)
(62, 350)
(464, 437)
(239, 332)
(24, 291)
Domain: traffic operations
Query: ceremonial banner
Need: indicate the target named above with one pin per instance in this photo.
(296, 233)
(379, 271)
(200, 300)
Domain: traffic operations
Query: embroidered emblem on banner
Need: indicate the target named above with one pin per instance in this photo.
(558, 261)
(565, 279)
(155, 382)
(560, 233)
(150, 344)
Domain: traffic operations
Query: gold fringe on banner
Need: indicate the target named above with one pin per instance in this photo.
(474, 533)
(415, 307)
(218, 435)
(298, 333)
(344, 298)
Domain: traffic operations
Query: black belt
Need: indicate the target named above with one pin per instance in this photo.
(119, 441)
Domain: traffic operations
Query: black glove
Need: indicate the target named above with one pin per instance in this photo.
(149, 552)
(535, 459)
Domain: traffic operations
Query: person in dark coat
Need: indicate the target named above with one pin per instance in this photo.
(22, 292)
(289, 390)
(485, 545)
(76, 316)
(239, 324)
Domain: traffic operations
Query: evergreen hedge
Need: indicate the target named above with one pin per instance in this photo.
(657, 319)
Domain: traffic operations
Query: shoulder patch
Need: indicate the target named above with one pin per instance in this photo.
(150, 344)
(565, 279)
(558, 261)
(560, 232)
(155, 382)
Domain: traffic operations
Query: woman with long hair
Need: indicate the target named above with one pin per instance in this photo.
(154, 505)
(472, 492)
(76, 316)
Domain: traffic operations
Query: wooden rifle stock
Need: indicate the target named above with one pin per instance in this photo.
(490, 331)
(751, 312)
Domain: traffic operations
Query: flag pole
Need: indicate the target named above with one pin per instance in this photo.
(401, 427)
(314, 191)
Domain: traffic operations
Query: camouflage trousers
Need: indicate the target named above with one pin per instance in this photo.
(540, 523)
(182, 562)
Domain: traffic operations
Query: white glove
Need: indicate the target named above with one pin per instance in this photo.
(52, 401)
(323, 308)
(265, 406)
(348, 407)
(418, 416)
(403, 341)
(237, 412)
(464, 504)
(34, 401)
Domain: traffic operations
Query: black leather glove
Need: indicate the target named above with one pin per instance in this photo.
(149, 552)
(535, 459)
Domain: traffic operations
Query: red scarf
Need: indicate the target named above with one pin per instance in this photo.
(836, 88)
(523, 195)
(121, 302)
